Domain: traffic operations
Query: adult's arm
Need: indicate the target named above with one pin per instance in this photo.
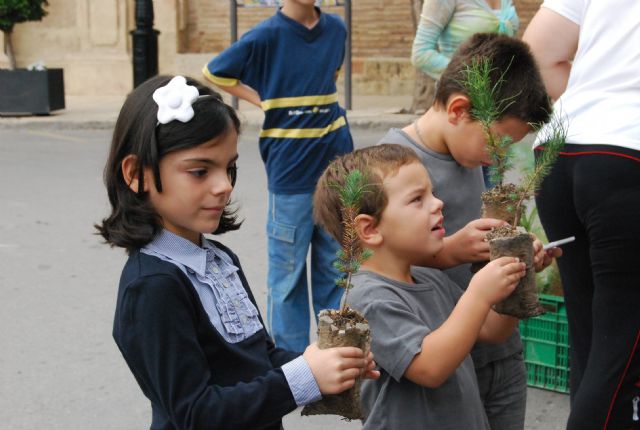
(553, 40)
(435, 16)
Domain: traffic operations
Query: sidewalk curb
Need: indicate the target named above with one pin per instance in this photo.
(357, 120)
(36, 124)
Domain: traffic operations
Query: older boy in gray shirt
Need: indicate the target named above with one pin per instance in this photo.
(460, 189)
(452, 146)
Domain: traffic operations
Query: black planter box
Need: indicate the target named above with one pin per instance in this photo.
(31, 92)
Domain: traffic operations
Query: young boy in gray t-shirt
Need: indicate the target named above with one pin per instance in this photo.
(422, 324)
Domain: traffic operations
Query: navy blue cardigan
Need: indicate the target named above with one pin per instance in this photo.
(192, 376)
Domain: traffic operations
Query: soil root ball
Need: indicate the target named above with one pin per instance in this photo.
(523, 302)
(348, 328)
(500, 202)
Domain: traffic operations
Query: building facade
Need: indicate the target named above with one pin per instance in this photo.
(91, 40)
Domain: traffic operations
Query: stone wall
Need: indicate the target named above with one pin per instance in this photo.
(90, 39)
(382, 34)
(526, 9)
(379, 26)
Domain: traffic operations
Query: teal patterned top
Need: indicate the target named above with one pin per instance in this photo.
(445, 24)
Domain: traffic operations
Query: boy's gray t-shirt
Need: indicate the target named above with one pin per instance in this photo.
(460, 189)
(400, 315)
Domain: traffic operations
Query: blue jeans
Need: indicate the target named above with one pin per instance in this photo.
(291, 231)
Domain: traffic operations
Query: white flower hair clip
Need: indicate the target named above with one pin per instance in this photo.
(174, 100)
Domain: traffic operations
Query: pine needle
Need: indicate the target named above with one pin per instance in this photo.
(552, 141)
(351, 255)
(485, 106)
(486, 109)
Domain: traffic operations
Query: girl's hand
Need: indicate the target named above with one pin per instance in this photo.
(495, 281)
(336, 369)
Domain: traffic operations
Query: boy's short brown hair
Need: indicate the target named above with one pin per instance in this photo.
(511, 60)
(376, 163)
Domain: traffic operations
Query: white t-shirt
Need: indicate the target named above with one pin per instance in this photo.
(602, 99)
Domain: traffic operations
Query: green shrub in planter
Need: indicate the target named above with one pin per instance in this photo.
(13, 12)
(26, 91)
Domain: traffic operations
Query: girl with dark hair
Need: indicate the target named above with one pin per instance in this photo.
(186, 321)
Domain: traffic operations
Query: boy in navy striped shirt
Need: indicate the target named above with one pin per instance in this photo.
(287, 66)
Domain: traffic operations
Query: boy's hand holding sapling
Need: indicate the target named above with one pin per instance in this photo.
(469, 243)
(497, 280)
(491, 285)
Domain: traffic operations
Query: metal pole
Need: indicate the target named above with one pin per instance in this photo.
(347, 69)
(145, 43)
(233, 13)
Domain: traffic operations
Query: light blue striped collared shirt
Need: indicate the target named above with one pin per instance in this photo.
(231, 312)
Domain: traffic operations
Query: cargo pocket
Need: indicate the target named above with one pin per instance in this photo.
(281, 245)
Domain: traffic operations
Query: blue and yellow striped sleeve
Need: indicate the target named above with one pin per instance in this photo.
(228, 67)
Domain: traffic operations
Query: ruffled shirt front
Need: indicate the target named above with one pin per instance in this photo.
(214, 278)
(224, 299)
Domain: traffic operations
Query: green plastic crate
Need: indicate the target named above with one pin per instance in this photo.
(546, 346)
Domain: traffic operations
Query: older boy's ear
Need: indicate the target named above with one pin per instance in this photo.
(367, 230)
(130, 174)
(458, 108)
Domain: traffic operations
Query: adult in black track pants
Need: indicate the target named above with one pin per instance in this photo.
(593, 193)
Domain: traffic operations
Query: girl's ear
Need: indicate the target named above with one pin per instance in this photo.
(458, 108)
(130, 174)
(367, 230)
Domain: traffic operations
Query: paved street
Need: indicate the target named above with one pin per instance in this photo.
(59, 368)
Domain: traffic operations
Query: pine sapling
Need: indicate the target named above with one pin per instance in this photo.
(351, 255)
(505, 201)
(552, 142)
(345, 327)
(486, 109)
